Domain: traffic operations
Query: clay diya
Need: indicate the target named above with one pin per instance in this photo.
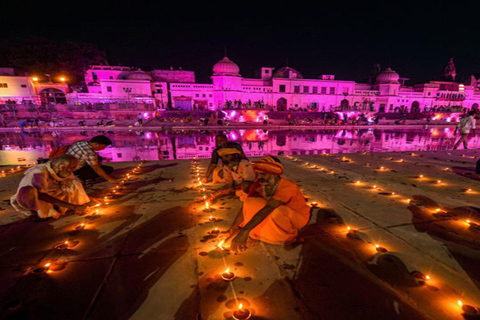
(468, 309)
(228, 275)
(380, 249)
(241, 313)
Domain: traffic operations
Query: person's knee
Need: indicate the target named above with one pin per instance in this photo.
(28, 192)
(107, 169)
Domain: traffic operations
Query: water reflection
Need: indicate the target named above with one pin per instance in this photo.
(27, 147)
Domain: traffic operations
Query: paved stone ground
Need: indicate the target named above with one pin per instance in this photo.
(149, 254)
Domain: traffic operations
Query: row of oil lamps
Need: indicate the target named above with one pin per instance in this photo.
(68, 244)
(241, 312)
(4, 173)
(467, 309)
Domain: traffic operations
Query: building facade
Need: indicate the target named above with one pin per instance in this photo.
(284, 89)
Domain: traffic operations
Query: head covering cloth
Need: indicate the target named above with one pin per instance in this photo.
(268, 165)
(226, 151)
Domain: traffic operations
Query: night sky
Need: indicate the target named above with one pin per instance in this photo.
(415, 38)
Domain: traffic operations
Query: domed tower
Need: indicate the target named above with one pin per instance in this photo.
(139, 75)
(287, 73)
(226, 67)
(227, 82)
(387, 82)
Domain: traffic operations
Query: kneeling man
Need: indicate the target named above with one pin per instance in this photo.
(50, 189)
(273, 211)
(238, 174)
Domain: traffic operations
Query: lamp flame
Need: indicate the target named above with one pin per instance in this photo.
(460, 303)
(241, 306)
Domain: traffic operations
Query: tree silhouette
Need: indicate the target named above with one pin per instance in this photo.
(39, 56)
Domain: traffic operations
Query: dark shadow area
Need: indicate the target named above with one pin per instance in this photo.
(461, 241)
(467, 172)
(335, 273)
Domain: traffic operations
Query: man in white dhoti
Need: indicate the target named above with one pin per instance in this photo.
(50, 189)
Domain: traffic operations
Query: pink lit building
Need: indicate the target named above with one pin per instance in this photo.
(250, 99)
(284, 89)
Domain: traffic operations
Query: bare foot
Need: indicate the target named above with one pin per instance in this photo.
(251, 243)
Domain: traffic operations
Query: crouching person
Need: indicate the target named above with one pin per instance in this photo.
(50, 189)
(238, 174)
(273, 211)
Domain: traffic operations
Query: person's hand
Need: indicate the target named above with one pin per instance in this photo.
(239, 243)
(231, 232)
(81, 209)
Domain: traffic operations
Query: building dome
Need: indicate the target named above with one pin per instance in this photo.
(226, 67)
(287, 73)
(139, 75)
(388, 76)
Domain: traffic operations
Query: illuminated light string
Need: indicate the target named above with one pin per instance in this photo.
(227, 275)
(467, 309)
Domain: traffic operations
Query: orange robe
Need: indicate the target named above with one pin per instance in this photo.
(282, 224)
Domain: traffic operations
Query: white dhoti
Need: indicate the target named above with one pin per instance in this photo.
(42, 179)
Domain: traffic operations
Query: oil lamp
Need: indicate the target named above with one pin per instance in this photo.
(314, 204)
(350, 230)
(80, 226)
(357, 183)
(228, 275)
(374, 187)
(42, 269)
(241, 313)
(467, 309)
(61, 246)
(439, 181)
(207, 205)
(380, 249)
(215, 231)
(420, 176)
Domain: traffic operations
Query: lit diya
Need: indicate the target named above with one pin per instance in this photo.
(420, 275)
(80, 226)
(351, 231)
(42, 269)
(314, 204)
(380, 249)
(241, 313)
(228, 275)
(61, 246)
(467, 309)
(215, 231)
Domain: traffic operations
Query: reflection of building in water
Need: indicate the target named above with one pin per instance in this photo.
(134, 146)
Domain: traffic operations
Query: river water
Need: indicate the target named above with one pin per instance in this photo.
(26, 147)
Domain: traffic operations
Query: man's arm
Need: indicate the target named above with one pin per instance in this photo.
(239, 242)
(98, 169)
(234, 228)
(210, 169)
(47, 198)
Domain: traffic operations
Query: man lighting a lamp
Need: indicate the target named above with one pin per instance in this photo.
(274, 210)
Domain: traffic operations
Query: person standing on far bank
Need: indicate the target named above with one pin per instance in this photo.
(466, 124)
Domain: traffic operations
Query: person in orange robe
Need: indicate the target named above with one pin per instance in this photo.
(273, 211)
